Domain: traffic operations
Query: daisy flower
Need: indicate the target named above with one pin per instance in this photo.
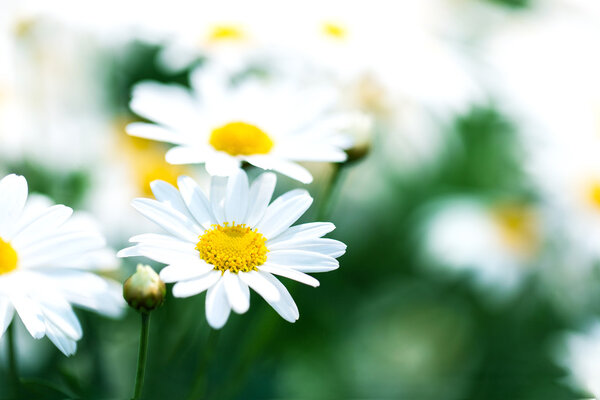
(233, 241)
(46, 259)
(268, 127)
(493, 243)
(579, 354)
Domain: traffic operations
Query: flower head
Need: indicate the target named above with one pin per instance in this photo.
(234, 240)
(268, 127)
(46, 259)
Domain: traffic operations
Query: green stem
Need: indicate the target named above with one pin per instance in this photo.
(12, 359)
(142, 355)
(331, 190)
(200, 385)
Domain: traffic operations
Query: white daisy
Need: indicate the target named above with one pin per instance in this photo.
(46, 259)
(233, 241)
(268, 127)
(493, 243)
(579, 354)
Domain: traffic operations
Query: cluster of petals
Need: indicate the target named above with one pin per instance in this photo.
(57, 254)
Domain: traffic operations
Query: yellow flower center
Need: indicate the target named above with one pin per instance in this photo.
(240, 138)
(334, 30)
(220, 33)
(518, 228)
(235, 248)
(8, 258)
(594, 194)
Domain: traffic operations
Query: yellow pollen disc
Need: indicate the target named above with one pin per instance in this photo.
(518, 228)
(594, 194)
(240, 138)
(334, 30)
(221, 33)
(235, 248)
(8, 258)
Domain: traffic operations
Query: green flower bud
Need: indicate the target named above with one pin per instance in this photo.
(144, 291)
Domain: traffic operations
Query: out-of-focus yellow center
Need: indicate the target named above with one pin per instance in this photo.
(334, 30)
(8, 258)
(240, 138)
(518, 228)
(594, 194)
(226, 32)
(145, 159)
(235, 248)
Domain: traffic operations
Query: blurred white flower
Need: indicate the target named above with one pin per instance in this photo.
(494, 244)
(46, 264)
(233, 241)
(268, 127)
(579, 354)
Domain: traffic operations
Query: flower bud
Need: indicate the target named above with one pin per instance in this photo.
(144, 291)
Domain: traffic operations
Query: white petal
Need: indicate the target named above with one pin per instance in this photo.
(237, 292)
(210, 83)
(311, 230)
(13, 194)
(88, 290)
(260, 195)
(195, 286)
(62, 316)
(285, 306)
(293, 170)
(163, 241)
(260, 285)
(155, 132)
(63, 246)
(6, 314)
(182, 272)
(218, 193)
(283, 212)
(321, 153)
(168, 218)
(185, 155)
(65, 344)
(329, 247)
(290, 273)
(169, 195)
(162, 255)
(31, 315)
(217, 306)
(169, 105)
(303, 261)
(222, 164)
(45, 223)
(196, 201)
(236, 199)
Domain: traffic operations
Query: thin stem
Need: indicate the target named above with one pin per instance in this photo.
(12, 359)
(330, 192)
(200, 386)
(142, 355)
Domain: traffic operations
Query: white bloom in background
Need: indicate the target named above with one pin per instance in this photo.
(494, 244)
(268, 127)
(46, 264)
(579, 354)
(234, 241)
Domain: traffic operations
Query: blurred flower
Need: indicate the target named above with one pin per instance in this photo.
(144, 291)
(579, 353)
(269, 127)
(495, 243)
(46, 261)
(234, 241)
